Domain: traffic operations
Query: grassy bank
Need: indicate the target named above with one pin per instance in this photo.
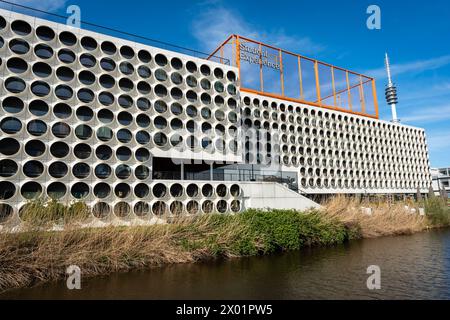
(36, 256)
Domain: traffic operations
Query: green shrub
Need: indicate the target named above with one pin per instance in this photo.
(437, 211)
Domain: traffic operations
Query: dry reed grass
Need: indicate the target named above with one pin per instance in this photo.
(386, 219)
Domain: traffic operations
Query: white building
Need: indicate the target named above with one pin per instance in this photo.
(134, 130)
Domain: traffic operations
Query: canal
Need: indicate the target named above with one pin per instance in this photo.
(412, 267)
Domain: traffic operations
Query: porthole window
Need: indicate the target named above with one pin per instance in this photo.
(143, 137)
(141, 190)
(31, 190)
(17, 65)
(142, 155)
(191, 81)
(40, 89)
(109, 48)
(161, 60)
(191, 96)
(33, 169)
(205, 84)
(35, 148)
(105, 116)
(108, 64)
(126, 68)
(85, 114)
(176, 124)
(45, 52)
(58, 170)
(231, 76)
(122, 190)
(176, 109)
(102, 190)
(107, 81)
(21, 27)
(103, 153)
(64, 92)
(82, 151)
(37, 128)
(205, 98)
(160, 123)
(176, 63)
(59, 150)
(66, 56)
(80, 190)
(160, 106)
(13, 105)
(45, 33)
(160, 139)
(81, 171)
(205, 70)
(15, 85)
(143, 87)
(125, 101)
(88, 60)
(83, 132)
(218, 73)
(143, 104)
(191, 111)
(10, 125)
(160, 75)
(86, 78)
(68, 38)
(176, 140)
(219, 87)
(191, 67)
(19, 46)
(61, 130)
(104, 134)
(125, 118)
(206, 113)
(89, 43)
(8, 168)
(144, 56)
(142, 172)
(143, 121)
(127, 52)
(176, 93)
(231, 89)
(176, 78)
(123, 172)
(126, 84)
(103, 171)
(124, 136)
(144, 72)
(62, 111)
(9, 147)
(123, 154)
(65, 74)
(56, 190)
(85, 95)
(42, 69)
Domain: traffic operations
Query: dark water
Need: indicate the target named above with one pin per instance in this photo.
(412, 267)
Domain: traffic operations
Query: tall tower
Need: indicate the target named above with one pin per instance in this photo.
(391, 92)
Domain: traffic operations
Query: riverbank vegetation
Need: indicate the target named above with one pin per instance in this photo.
(36, 255)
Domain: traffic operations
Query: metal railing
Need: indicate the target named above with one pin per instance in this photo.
(89, 26)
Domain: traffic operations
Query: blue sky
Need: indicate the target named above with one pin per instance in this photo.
(415, 34)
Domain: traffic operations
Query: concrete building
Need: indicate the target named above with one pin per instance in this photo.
(441, 181)
(135, 130)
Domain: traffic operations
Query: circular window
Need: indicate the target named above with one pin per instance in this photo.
(144, 72)
(83, 132)
(144, 56)
(37, 128)
(85, 95)
(21, 28)
(123, 154)
(218, 73)
(103, 153)
(40, 89)
(127, 52)
(59, 150)
(124, 136)
(141, 190)
(56, 190)
(81, 171)
(105, 134)
(86, 77)
(143, 137)
(35, 148)
(103, 171)
(13, 105)
(142, 172)
(160, 123)
(160, 106)
(205, 70)
(58, 170)
(101, 210)
(44, 52)
(176, 93)
(123, 172)
(122, 210)
(8, 190)
(61, 130)
(160, 139)
(20, 46)
(17, 65)
(15, 85)
(126, 84)
(31, 190)
(143, 104)
(142, 155)
(64, 92)
(88, 60)
(80, 190)
(125, 118)
(176, 78)
(65, 74)
(33, 169)
(143, 121)
(108, 64)
(125, 101)
(85, 114)
(176, 64)
(160, 75)
(42, 69)
(89, 43)
(105, 116)
(144, 87)
(9, 146)
(66, 56)
(102, 190)
(82, 151)
(62, 111)
(8, 168)
(107, 81)
(45, 33)
(159, 190)
(161, 60)
(205, 84)
(109, 48)
(68, 38)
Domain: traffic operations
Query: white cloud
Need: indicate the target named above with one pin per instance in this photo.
(414, 67)
(46, 5)
(429, 114)
(214, 24)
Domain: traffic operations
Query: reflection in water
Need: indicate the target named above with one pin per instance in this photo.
(412, 267)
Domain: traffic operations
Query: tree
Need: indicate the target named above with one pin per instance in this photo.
(431, 193)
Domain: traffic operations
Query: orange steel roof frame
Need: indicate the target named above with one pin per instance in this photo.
(356, 97)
